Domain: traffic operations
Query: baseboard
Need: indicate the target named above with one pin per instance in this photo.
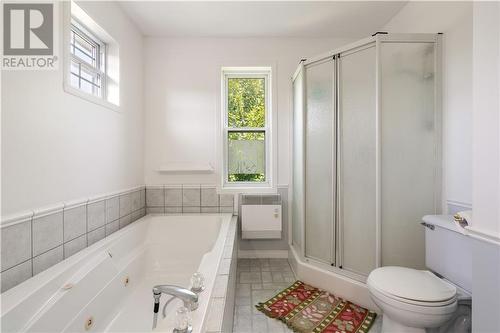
(262, 254)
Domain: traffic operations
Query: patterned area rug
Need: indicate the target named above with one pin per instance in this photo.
(306, 309)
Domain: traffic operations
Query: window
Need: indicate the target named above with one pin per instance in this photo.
(88, 61)
(247, 127)
(91, 59)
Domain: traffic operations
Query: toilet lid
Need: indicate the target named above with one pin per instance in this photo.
(411, 284)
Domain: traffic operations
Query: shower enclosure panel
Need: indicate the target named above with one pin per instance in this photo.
(356, 158)
(367, 153)
(298, 180)
(320, 161)
(409, 134)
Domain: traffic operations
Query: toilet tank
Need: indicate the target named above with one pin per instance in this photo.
(448, 250)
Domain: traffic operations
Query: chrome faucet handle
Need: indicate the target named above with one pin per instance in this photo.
(156, 297)
(189, 298)
(191, 305)
(189, 329)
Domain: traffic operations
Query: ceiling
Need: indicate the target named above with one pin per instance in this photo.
(260, 18)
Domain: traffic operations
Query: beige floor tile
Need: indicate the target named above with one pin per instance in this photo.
(250, 277)
(259, 280)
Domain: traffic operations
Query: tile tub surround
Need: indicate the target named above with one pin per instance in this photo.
(178, 199)
(220, 314)
(37, 240)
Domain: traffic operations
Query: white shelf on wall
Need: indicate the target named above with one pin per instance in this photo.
(186, 168)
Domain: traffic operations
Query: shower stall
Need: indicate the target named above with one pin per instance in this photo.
(366, 153)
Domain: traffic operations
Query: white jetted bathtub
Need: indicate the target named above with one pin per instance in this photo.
(107, 287)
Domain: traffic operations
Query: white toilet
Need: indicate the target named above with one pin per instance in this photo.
(415, 300)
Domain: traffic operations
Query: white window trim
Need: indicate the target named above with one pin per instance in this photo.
(100, 68)
(269, 185)
(85, 21)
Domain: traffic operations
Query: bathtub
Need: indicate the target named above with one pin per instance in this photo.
(107, 286)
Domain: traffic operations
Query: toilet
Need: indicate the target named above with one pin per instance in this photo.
(435, 300)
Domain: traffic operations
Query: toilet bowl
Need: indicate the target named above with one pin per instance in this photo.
(414, 300)
(411, 300)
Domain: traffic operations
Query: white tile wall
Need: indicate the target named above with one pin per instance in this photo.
(96, 235)
(47, 232)
(16, 275)
(112, 227)
(17, 239)
(173, 196)
(96, 215)
(75, 222)
(43, 238)
(125, 204)
(75, 245)
(191, 196)
(112, 209)
(177, 199)
(155, 197)
(209, 197)
(220, 312)
(47, 259)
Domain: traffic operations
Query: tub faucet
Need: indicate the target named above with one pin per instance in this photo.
(189, 298)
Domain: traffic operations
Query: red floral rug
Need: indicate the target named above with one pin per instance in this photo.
(306, 309)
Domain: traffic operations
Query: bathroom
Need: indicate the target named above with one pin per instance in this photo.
(250, 166)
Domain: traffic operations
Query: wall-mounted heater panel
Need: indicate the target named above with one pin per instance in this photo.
(261, 216)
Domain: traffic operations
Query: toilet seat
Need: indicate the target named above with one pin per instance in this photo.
(427, 308)
(412, 286)
(413, 302)
(411, 299)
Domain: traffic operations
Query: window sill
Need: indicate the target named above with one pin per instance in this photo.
(96, 100)
(235, 189)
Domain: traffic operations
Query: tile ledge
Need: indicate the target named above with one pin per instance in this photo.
(75, 203)
(14, 219)
(23, 216)
(155, 187)
(48, 210)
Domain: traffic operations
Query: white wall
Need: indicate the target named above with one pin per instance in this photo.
(58, 147)
(181, 88)
(454, 20)
(486, 194)
(486, 168)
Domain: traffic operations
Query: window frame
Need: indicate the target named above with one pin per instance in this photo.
(101, 57)
(110, 78)
(258, 73)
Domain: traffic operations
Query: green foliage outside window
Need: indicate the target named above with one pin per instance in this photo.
(247, 177)
(246, 108)
(246, 102)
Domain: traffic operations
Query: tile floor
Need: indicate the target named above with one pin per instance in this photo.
(259, 280)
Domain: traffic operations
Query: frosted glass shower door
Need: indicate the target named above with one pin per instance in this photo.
(319, 161)
(298, 160)
(357, 160)
(409, 137)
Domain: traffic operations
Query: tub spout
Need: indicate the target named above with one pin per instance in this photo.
(189, 298)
